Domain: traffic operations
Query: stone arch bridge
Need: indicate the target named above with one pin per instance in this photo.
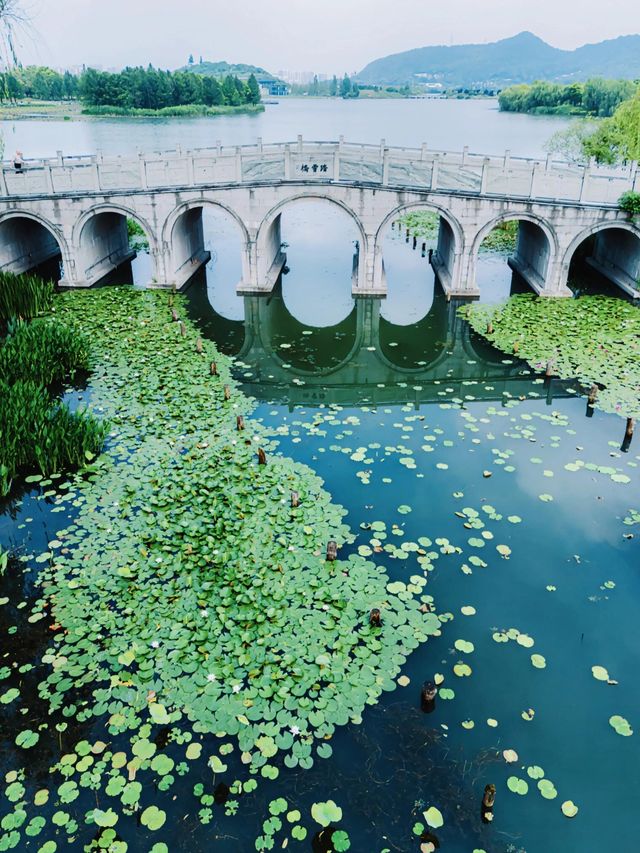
(77, 208)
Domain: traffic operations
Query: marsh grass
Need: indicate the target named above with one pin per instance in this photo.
(24, 296)
(44, 351)
(37, 431)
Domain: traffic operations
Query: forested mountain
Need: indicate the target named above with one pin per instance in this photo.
(521, 59)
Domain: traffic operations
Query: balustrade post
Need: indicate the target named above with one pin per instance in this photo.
(484, 181)
(465, 154)
(635, 177)
(299, 143)
(96, 174)
(534, 175)
(191, 172)
(287, 162)
(260, 146)
(507, 160)
(143, 171)
(385, 167)
(48, 178)
(3, 182)
(435, 172)
(238, 164)
(336, 164)
(584, 189)
(423, 151)
(60, 158)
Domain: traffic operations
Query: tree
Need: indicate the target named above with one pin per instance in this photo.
(191, 59)
(345, 87)
(333, 89)
(254, 90)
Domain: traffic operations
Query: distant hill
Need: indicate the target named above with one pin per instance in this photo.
(521, 59)
(221, 69)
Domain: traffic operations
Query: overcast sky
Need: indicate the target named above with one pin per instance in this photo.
(323, 35)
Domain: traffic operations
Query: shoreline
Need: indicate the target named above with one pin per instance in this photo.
(75, 111)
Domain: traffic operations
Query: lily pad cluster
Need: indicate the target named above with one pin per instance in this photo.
(192, 595)
(594, 339)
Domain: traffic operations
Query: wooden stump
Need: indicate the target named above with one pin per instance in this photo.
(262, 457)
(213, 369)
(488, 801)
(183, 330)
(375, 619)
(174, 315)
(332, 551)
(239, 423)
(199, 345)
(428, 694)
(295, 500)
(227, 392)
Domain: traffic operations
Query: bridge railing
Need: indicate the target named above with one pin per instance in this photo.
(422, 168)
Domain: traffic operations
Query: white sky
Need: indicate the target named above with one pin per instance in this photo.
(324, 35)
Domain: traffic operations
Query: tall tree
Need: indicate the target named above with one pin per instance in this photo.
(254, 90)
(345, 87)
(333, 89)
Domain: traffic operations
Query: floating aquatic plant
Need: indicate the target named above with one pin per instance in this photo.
(595, 339)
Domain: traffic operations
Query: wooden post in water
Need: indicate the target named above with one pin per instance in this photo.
(262, 457)
(174, 315)
(239, 423)
(227, 392)
(628, 435)
(488, 802)
(332, 551)
(591, 401)
(428, 694)
(375, 619)
(183, 330)
(213, 369)
(199, 345)
(295, 500)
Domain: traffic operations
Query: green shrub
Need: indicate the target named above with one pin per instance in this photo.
(44, 351)
(630, 203)
(24, 296)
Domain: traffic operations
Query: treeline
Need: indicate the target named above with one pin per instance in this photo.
(611, 140)
(39, 83)
(334, 88)
(597, 97)
(131, 89)
(153, 89)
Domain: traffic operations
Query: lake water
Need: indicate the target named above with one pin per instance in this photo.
(443, 124)
(434, 408)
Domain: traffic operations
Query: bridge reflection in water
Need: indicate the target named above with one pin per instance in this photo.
(364, 360)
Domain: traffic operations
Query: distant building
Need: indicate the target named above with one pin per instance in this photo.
(272, 88)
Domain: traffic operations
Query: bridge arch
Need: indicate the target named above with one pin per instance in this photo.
(536, 250)
(615, 253)
(270, 258)
(28, 240)
(184, 236)
(445, 256)
(102, 242)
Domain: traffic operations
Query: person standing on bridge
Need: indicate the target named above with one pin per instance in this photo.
(18, 161)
